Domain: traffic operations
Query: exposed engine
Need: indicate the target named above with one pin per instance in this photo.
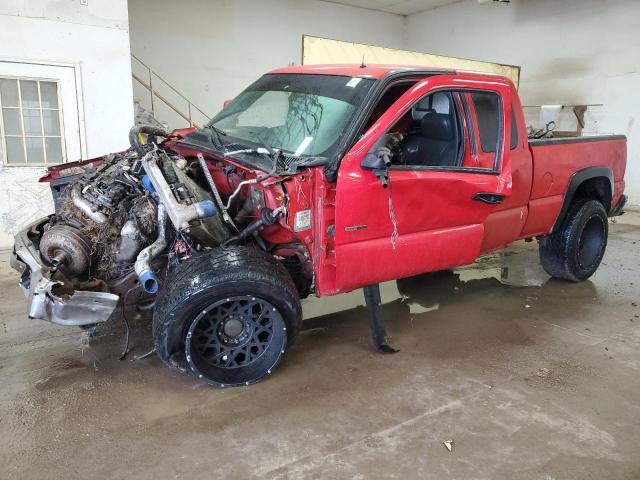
(123, 221)
(111, 222)
(102, 222)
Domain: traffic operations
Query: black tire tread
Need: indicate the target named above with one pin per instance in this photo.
(222, 266)
(555, 249)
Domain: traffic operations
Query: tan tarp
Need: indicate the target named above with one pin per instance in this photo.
(317, 50)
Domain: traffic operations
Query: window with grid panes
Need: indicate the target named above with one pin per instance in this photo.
(31, 122)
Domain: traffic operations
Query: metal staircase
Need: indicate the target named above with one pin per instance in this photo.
(164, 98)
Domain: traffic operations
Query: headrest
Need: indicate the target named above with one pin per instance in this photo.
(420, 109)
(437, 126)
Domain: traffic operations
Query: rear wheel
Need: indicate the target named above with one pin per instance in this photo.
(575, 251)
(227, 316)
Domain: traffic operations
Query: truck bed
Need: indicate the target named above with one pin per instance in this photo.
(554, 163)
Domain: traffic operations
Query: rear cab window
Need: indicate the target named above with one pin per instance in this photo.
(514, 130)
(485, 117)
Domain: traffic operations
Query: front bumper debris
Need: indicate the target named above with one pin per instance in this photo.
(81, 308)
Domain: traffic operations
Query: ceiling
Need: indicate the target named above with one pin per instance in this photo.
(399, 7)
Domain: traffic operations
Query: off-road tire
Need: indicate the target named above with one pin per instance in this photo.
(216, 276)
(575, 250)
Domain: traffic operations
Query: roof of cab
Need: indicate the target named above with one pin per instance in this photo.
(355, 70)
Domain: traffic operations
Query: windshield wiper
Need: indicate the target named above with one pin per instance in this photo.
(273, 153)
(264, 149)
(290, 162)
(259, 151)
(217, 134)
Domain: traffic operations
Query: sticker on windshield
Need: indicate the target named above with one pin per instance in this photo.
(353, 82)
(303, 146)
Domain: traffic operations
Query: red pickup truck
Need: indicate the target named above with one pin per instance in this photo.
(316, 179)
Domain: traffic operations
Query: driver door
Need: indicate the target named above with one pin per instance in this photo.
(443, 182)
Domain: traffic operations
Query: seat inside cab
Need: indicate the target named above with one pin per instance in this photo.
(441, 129)
(435, 135)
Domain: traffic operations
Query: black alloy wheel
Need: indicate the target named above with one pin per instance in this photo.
(234, 339)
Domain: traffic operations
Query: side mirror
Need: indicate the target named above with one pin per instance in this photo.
(372, 161)
(377, 160)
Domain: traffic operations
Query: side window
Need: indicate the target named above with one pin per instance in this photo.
(487, 107)
(393, 93)
(448, 129)
(514, 130)
(431, 133)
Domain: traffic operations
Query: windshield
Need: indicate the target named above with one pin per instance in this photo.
(299, 114)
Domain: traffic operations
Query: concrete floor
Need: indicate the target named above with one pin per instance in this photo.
(531, 378)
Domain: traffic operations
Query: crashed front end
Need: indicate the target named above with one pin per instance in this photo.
(122, 221)
(111, 239)
(81, 308)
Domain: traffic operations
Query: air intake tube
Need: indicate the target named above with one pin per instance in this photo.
(134, 138)
(179, 214)
(149, 280)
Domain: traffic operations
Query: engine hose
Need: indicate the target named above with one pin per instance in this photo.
(134, 138)
(238, 188)
(267, 218)
(149, 280)
(216, 193)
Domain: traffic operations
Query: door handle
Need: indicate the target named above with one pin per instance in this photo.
(491, 198)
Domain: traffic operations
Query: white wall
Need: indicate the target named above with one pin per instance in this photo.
(571, 52)
(94, 39)
(212, 49)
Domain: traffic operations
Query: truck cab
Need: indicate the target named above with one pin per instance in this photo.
(453, 151)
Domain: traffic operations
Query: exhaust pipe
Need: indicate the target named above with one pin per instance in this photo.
(149, 280)
(85, 206)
